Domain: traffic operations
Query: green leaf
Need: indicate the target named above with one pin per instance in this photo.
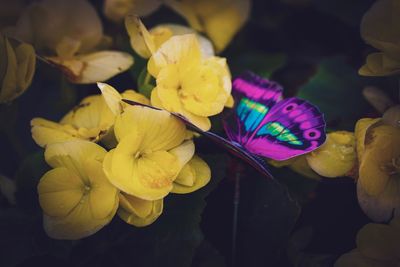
(336, 89)
(264, 64)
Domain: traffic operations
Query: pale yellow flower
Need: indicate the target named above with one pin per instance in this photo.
(187, 83)
(151, 152)
(380, 28)
(116, 10)
(377, 246)
(76, 197)
(336, 157)
(220, 20)
(70, 35)
(17, 67)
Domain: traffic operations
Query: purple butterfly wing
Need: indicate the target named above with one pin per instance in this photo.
(254, 97)
(232, 147)
(270, 127)
(292, 127)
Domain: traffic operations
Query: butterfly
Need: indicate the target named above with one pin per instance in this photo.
(264, 125)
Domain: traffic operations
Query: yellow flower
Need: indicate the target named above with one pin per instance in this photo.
(70, 35)
(377, 246)
(116, 10)
(188, 83)
(91, 120)
(17, 67)
(194, 175)
(380, 28)
(151, 152)
(220, 20)
(337, 157)
(379, 173)
(145, 42)
(76, 197)
(139, 212)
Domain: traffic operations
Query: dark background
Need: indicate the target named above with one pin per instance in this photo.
(314, 49)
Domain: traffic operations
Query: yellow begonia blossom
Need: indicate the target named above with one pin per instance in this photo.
(380, 28)
(187, 83)
(193, 176)
(378, 185)
(139, 212)
(116, 10)
(91, 120)
(145, 42)
(378, 245)
(220, 20)
(69, 34)
(76, 197)
(151, 152)
(17, 67)
(336, 157)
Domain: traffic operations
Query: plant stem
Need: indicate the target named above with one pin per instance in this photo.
(236, 200)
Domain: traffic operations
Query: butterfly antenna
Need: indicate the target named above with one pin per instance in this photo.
(236, 200)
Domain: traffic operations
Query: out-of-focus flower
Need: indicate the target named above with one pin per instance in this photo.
(378, 185)
(150, 154)
(188, 83)
(377, 246)
(76, 197)
(145, 42)
(377, 98)
(69, 34)
(194, 175)
(380, 28)
(337, 157)
(220, 20)
(17, 67)
(116, 10)
(139, 212)
(90, 120)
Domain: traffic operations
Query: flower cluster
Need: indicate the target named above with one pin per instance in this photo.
(109, 157)
(149, 157)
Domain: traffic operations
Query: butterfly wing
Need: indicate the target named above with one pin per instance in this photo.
(270, 127)
(292, 127)
(232, 147)
(254, 97)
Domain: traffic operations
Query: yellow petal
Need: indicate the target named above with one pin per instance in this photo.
(135, 96)
(382, 148)
(336, 157)
(360, 132)
(379, 64)
(222, 26)
(60, 191)
(183, 153)
(382, 207)
(73, 152)
(77, 224)
(160, 130)
(102, 193)
(112, 98)
(230, 102)
(379, 241)
(181, 48)
(94, 67)
(186, 10)
(193, 176)
(46, 132)
(141, 40)
(116, 10)
(139, 212)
